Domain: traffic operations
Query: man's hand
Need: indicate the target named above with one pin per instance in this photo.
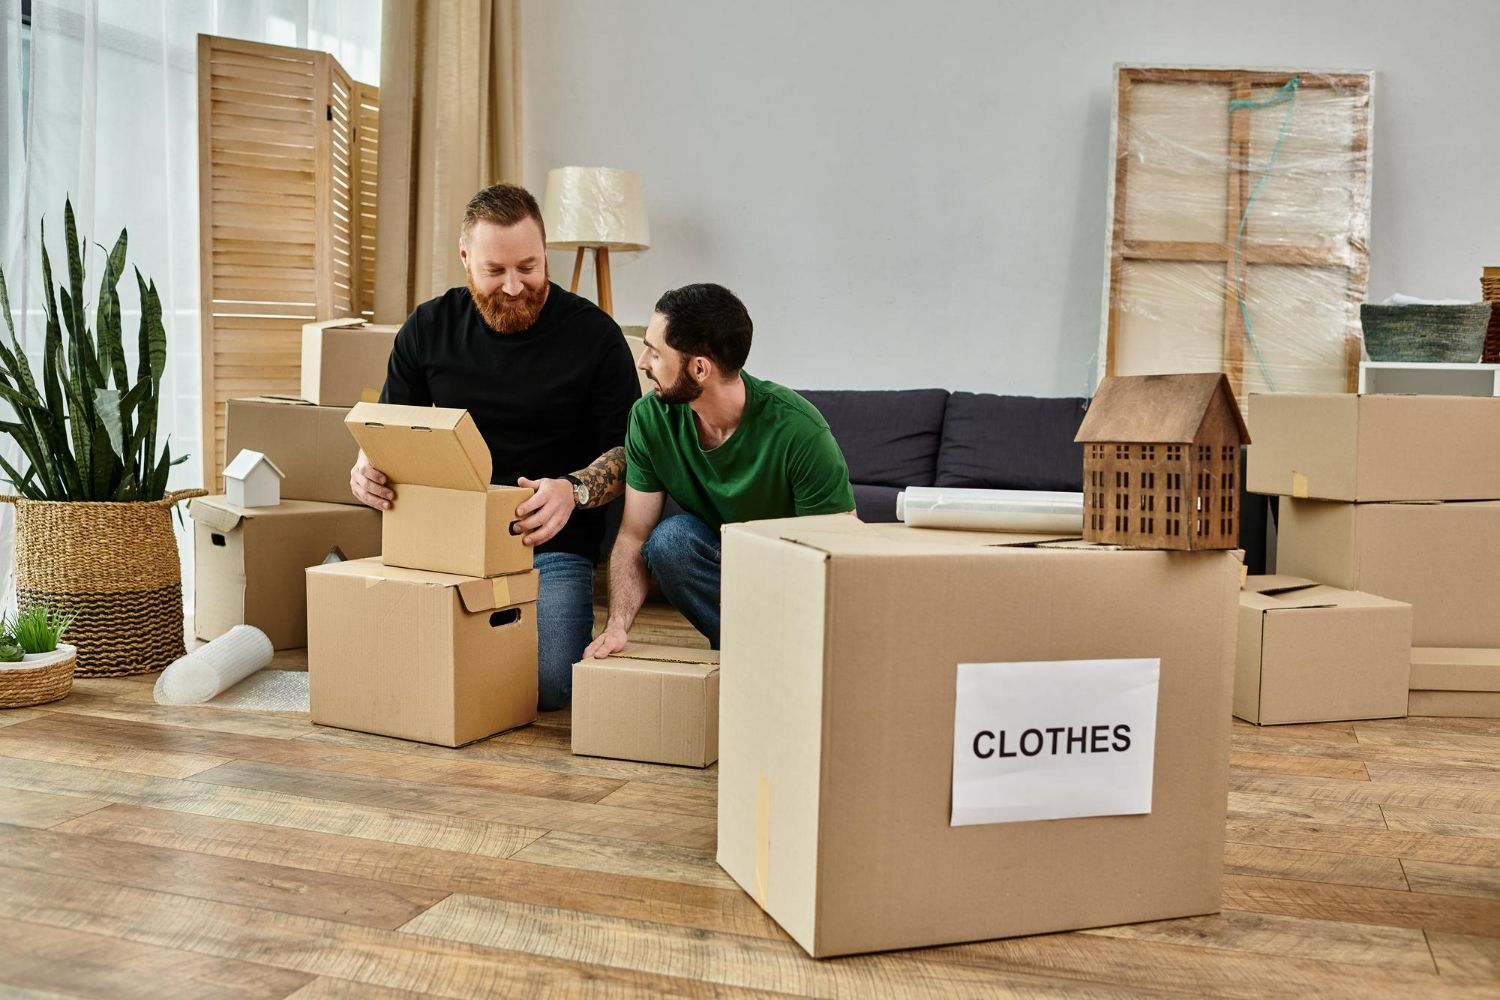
(610, 641)
(368, 484)
(546, 512)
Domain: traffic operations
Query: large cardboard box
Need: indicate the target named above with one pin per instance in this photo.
(250, 562)
(1309, 653)
(837, 730)
(1375, 448)
(344, 361)
(1463, 683)
(309, 444)
(447, 517)
(1441, 558)
(422, 656)
(658, 704)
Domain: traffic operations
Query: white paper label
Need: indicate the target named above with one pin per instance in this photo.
(1053, 740)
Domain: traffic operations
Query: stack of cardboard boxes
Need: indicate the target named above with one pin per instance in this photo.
(435, 640)
(249, 560)
(1397, 496)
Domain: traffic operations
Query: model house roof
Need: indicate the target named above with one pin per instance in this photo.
(246, 461)
(1158, 409)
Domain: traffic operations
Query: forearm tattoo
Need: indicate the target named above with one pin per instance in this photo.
(605, 477)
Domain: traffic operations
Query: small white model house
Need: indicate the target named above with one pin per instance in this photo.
(253, 480)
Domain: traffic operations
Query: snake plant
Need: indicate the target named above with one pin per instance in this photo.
(85, 430)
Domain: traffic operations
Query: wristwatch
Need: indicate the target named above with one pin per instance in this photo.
(580, 491)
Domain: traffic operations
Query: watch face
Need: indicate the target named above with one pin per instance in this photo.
(580, 494)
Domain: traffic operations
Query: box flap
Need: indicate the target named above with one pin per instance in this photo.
(374, 571)
(1275, 584)
(664, 668)
(215, 513)
(499, 591)
(1304, 596)
(427, 445)
(671, 654)
(842, 535)
(282, 400)
(335, 324)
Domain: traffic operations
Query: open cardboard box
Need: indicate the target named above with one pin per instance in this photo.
(837, 730)
(657, 704)
(308, 443)
(447, 517)
(430, 657)
(250, 562)
(344, 361)
(1337, 446)
(1309, 653)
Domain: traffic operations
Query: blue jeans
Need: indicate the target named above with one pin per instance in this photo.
(564, 624)
(683, 554)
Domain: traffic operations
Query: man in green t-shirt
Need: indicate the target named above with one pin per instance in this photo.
(726, 446)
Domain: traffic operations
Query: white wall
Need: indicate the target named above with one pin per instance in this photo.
(913, 194)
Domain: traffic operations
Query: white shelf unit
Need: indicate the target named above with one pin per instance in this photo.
(1429, 379)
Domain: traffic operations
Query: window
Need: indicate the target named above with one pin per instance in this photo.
(1122, 452)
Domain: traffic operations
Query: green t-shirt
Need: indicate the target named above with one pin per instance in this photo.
(781, 461)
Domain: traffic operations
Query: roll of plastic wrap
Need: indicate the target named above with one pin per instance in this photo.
(991, 510)
(214, 667)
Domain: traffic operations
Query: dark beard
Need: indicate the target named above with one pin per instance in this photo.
(684, 390)
(509, 317)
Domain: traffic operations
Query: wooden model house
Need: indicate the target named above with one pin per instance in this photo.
(1161, 462)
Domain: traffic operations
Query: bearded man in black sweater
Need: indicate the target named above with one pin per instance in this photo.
(549, 381)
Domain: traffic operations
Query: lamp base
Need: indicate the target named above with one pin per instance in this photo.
(604, 292)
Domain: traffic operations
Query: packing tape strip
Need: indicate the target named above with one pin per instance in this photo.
(1299, 485)
(763, 842)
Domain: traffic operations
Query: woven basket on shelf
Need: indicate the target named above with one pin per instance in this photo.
(24, 684)
(1489, 285)
(1450, 334)
(114, 566)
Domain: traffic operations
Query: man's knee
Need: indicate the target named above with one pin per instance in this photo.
(677, 536)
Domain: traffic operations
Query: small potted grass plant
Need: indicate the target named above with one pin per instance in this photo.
(35, 666)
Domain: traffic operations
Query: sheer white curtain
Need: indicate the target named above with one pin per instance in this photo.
(112, 122)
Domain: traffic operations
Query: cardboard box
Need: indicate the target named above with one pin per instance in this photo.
(447, 518)
(1441, 558)
(250, 562)
(309, 444)
(658, 704)
(344, 361)
(1375, 448)
(421, 656)
(837, 730)
(1309, 653)
(1455, 704)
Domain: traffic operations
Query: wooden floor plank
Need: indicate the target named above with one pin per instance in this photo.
(224, 747)
(1375, 843)
(1314, 866)
(1299, 809)
(1458, 880)
(11, 716)
(395, 960)
(59, 961)
(1362, 905)
(22, 742)
(448, 800)
(666, 798)
(1283, 763)
(621, 857)
(1292, 937)
(232, 880)
(675, 902)
(323, 988)
(90, 704)
(1465, 955)
(713, 958)
(21, 807)
(1374, 792)
(272, 808)
(1448, 822)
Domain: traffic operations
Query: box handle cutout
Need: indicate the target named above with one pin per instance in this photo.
(507, 616)
(217, 539)
(512, 528)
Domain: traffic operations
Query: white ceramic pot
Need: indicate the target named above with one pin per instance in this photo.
(58, 655)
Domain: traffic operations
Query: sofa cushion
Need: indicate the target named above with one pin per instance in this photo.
(1011, 443)
(888, 437)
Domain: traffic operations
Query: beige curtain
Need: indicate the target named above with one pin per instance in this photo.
(450, 124)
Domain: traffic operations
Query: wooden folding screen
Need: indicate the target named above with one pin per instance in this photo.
(1239, 226)
(286, 183)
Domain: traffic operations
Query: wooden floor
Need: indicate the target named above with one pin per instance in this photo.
(163, 852)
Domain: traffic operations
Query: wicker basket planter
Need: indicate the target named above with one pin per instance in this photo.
(114, 566)
(38, 679)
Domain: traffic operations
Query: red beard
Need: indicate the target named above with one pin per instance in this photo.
(505, 314)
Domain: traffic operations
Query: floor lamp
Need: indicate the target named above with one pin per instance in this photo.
(599, 209)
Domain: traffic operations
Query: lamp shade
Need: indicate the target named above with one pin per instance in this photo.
(595, 207)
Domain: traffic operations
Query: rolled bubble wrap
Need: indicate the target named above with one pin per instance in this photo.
(214, 667)
(1029, 511)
